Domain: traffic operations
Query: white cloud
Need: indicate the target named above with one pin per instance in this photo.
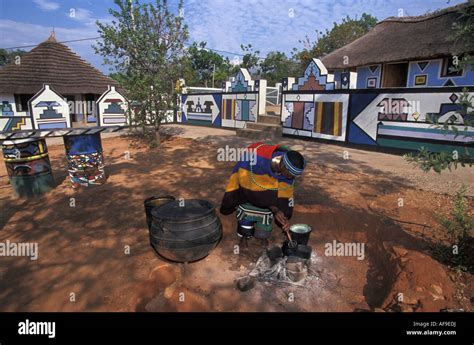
(46, 5)
(81, 15)
(279, 25)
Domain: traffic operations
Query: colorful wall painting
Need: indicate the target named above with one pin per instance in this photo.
(112, 108)
(315, 78)
(10, 119)
(238, 109)
(319, 115)
(432, 73)
(201, 109)
(369, 77)
(49, 110)
(398, 120)
(308, 111)
(239, 102)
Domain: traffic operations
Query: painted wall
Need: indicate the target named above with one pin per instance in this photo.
(368, 77)
(112, 108)
(307, 112)
(391, 118)
(321, 116)
(315, 77)
(398, 120)
(231, 110)
(345, 80)
(49, 110)
(241, 100)
(429, 73)
(10, 118)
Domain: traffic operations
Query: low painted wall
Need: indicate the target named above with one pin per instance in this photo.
(390, 118)
(230, 110)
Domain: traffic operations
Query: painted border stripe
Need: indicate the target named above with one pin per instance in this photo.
(428, 130)
(319, 112)
(426, 135)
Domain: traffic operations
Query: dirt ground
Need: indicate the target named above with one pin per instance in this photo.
(84, 265)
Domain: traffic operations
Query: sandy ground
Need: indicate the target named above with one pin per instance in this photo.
(84, 263)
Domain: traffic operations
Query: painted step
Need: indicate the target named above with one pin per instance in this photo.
(270, 119)
(264, 127)
(256, 134)
(273, 109)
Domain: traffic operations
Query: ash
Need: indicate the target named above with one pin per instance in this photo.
(290, 270)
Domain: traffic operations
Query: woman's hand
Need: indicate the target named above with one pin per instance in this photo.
(280, 217)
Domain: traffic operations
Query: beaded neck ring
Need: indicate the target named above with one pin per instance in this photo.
(252, 178)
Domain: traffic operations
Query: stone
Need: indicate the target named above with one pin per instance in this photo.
(437, 289)
(400, 251)
(245, 283)
(296, 271)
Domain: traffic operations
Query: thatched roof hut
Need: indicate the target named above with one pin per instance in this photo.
(55, 64)
(404, 39)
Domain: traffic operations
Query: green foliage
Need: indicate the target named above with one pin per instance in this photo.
(145, 45)
(457, 227)
(277, 66)
(251, 58)
(7, 57)
(340, 35)
(206, 64)
(438, 161)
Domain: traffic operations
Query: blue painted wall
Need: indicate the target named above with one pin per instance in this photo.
(433, 71)
(364, 72)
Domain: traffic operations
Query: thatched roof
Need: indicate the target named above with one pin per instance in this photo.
(55, 64)
(404, 38)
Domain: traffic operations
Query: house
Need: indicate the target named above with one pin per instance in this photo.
(405, 52)
(66, 74)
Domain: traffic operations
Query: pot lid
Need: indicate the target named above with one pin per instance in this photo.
(177, 211)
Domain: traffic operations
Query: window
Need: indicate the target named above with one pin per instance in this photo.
(448, 68)
(21, 101)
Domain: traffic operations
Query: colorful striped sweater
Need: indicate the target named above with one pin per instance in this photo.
(258, 184)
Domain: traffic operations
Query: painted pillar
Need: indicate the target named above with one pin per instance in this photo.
(28, 167)
(262, 97)
(85, 161)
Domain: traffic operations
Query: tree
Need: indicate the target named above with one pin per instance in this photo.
(277, 66)
(7, 57)
(340, 35)
(145, 45)
(251, 59)
(207, 65)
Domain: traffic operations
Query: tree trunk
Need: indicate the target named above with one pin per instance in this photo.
(158, 137)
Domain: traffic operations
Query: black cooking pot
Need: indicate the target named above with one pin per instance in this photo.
(288, 248)
(300, 233)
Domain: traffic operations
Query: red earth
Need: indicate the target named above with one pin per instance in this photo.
(84, 265)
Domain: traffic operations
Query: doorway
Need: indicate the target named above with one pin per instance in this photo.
(395, 75)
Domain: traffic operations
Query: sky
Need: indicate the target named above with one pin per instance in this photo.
(224, 24)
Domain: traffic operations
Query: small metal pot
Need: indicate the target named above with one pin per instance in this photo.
(300, 233)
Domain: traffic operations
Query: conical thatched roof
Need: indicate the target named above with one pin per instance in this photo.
(405, 38)
(55, 64)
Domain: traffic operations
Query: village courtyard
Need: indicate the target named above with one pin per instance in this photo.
(94, 252)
